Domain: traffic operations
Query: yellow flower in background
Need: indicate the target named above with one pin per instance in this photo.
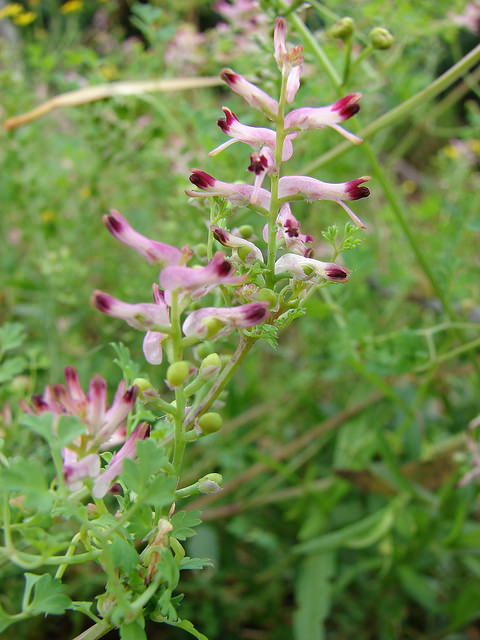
(11, 9)
(47, 216)
(71, 6)
(474, 146)
(108, 71)
(451, 151)
(22, 19)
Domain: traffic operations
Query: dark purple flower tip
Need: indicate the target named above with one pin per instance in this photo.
(226, 123)
(98, 383)
(229, 76)
(348, 106)
(355, 192)
(59, 391)
(130, 394)
(114, 225)
(220, 235)
(101, 301)
(116, 489)
(71, 376)
(336, 273)
(39, 403)
(291, 229)
(224, 268)
(201, 179)
(257, 313)
(258, 163)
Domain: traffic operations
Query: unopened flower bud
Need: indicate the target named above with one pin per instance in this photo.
(343, 29)
(246, 231)
(381, 38)
(210, 366)
(267, 295)
(177, 373)
(201, 250)
(210, 422)
(211, 483)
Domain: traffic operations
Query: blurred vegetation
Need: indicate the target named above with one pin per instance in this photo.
(342, 512)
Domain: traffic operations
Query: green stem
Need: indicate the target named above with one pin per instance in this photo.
(453, 353)
(348, 58)
(179, 445)
(398, 113)
(96, 631)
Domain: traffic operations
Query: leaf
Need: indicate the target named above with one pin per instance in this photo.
(11, 368)
(132, 631)
(465, 607)
(49, 596)
(184, 522)
(313, 592)
(186, 625)
(286, 318)
(150, 457)
(11, 336)
(5, 620)
(160, 491)
(132, 475)
(360, 534)
(420, 588)
(267, 332)
(69, 428)
(29, 479)
(41, 425)
(130, 369)
(195, 563)
(124, 555)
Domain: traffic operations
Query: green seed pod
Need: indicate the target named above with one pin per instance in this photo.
(143, 384)
(210, 366)
(343, 29)
(177, 373)
(210, 422)
(267, 295)
(201, 250)
(204, 349)
(243, 253)
(246, 231)
(211, 483)
(381, 38)
(213, 326)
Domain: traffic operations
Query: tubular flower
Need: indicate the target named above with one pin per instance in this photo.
(312, 189)
(304, 268)
(114, 469)
(76, 469)
(240, 194)
(153, 251)
(256, 137)
(290, 232)
(143, 316)
(152, 342)
(200, 323)
(255, 97)
(307, 118)
(199, 281)
(236, 242)
(289, 61)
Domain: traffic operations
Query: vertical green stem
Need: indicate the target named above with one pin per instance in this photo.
(179, 447)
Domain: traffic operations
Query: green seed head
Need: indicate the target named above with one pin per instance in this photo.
(381, 38)
(210, 422)
(267, 295)
(143, 384)
(204, 349)
(243, 253)
(201, 250)
(211, 483)
(213, 326)
(177, 373)
(246, 231)
(343, 29)
(210, 366)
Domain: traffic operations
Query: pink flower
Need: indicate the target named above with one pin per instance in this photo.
(76, 469)
(289, 61)
(152, 342)
(307, 118)
(199, 281)
(143, 316)
(256, 137)
(236, 242)
(115, 465)
(311, 189)
(153, 251)
(289, 232)
(246, 315)
(240, 194)
(304, 268)
(255, 97)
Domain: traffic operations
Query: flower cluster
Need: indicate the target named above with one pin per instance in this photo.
(104, 428)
